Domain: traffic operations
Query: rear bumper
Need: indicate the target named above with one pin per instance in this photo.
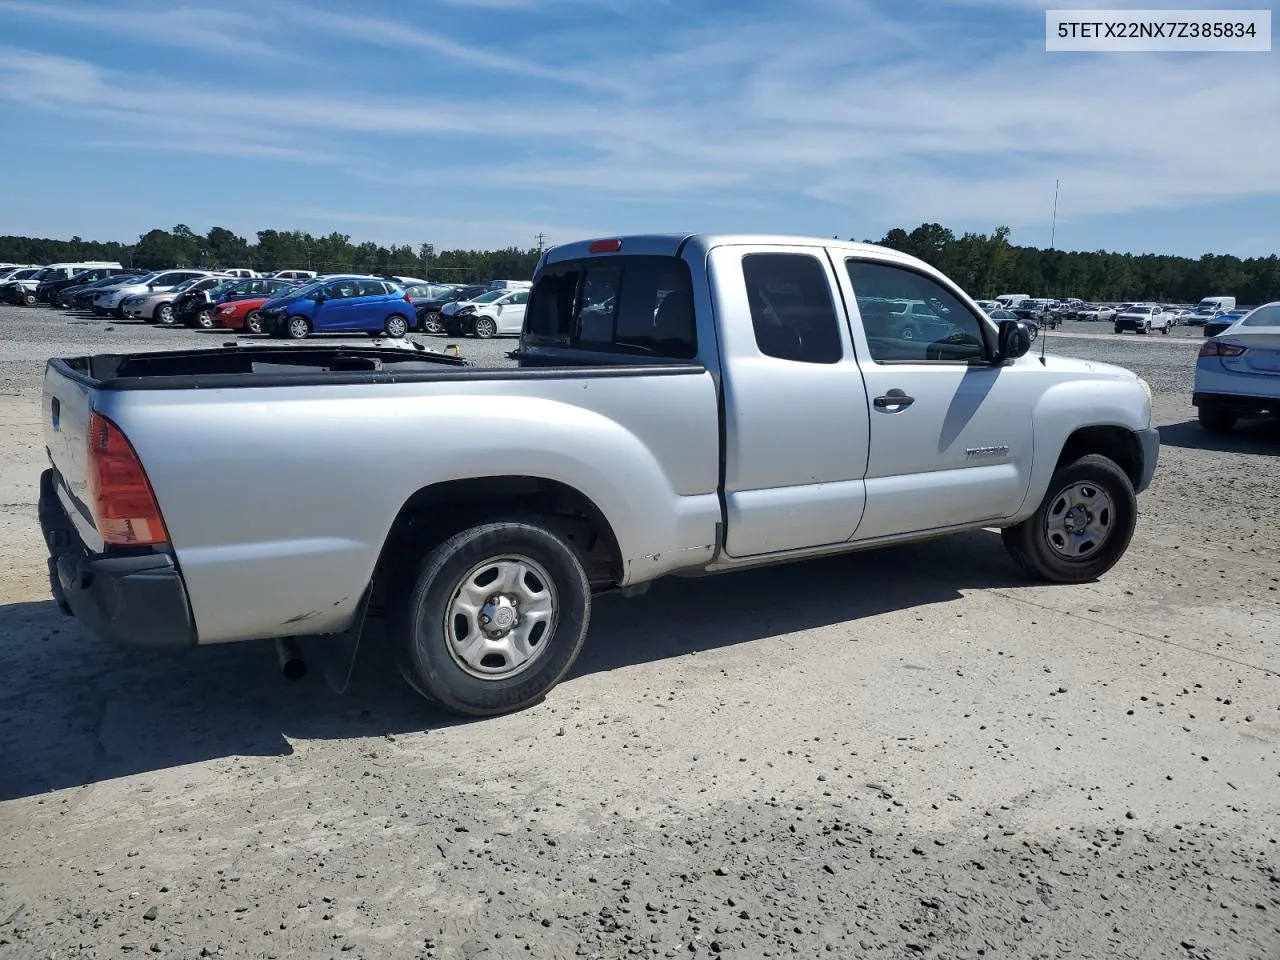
(1149, 440)
(1239, 403)
(132, 600)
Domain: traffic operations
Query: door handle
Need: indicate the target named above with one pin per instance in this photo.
(894, 399)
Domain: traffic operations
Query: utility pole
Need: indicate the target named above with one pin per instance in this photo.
(541, 238)
(1053, 230)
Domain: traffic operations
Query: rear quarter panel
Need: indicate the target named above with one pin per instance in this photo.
(278, 499)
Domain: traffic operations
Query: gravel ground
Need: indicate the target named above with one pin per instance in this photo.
(911, 752)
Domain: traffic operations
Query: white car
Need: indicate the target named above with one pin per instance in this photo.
(244, 273)
(1238, 371)
(1144, 318)
(294, 275)
(498, 313)
(109, 300)
(986, 306)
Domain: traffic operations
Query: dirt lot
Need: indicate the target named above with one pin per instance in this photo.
(904, 753)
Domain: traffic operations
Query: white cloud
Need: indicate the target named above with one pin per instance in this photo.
(828, 101)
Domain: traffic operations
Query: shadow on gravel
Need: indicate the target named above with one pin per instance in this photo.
(1259, 435)
(75, 710)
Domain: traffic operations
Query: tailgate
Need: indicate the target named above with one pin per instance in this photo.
(66, 407)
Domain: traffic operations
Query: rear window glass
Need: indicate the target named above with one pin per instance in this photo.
(636, 305)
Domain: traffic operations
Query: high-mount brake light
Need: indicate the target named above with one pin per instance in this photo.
(605, 246)
(120, 495)
(1215, 348)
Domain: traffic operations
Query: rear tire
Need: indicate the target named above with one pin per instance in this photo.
(1082, 527)
(28, 299)
(1215, 419)
(204, 319)
(439, 638)
(163, 315)
(395, 326)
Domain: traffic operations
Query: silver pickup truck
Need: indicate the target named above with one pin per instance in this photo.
(681, 405)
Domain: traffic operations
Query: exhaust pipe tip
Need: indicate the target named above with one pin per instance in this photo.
(292, 666)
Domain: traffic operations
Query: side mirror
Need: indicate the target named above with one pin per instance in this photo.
(318, 297)
(1014, 339)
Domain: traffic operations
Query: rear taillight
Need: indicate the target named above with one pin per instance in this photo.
(1215, 348)
(123, 502)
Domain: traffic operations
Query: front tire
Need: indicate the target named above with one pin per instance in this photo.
(431, 322)
(396, 326)
(298, 328)
(1215, 419)
(204, 319)
(1083, 525)
(163, 315)
(484, 328)
(495, 618)
(253, 322)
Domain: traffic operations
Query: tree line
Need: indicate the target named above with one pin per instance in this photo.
(985, 265)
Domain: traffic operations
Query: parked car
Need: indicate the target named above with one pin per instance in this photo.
(495, 313)
(9, 269)
(346, 305)
(986, 306)
(14, 283)
(107, 300)
(157, 306)
(429, 310)
(80, 296)
(1143, 318)
(50, 291)
(196, 308)
(294, 275)
(478, 511)
(244, 273)
(27, 290)
(1220, 322)
(999, 315)
(1238, 371)
(243, 314)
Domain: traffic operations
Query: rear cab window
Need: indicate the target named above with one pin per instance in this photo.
(638, 306)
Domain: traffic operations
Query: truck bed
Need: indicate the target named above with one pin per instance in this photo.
(280, 470)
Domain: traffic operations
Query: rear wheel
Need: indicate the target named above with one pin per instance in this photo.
(1083, 525)
(484, 328)
(431, 322)
(1117, 328)
(163, 314)
(29, 298)
(396, 326)
(494, 619)
(253, 322)
(1215, 418)
(298, 328)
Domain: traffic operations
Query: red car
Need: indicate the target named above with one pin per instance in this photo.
(240, 315)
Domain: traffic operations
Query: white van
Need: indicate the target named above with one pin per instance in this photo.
(1215, 304)
(1011, 300)
(510, 284)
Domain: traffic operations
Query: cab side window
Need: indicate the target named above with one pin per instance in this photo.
(909, 317)
(792, 310)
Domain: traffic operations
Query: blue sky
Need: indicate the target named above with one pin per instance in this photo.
(480, 123)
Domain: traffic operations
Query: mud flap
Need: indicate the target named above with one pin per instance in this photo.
(337, 651)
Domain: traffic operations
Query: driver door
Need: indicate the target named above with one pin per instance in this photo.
(951, 438)
(511, 319)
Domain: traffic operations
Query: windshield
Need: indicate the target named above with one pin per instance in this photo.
(186, 284)
(489, 297)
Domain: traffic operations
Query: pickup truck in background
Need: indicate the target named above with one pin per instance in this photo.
(682, 405)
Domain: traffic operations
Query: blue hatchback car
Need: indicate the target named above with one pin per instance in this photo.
(340, 305)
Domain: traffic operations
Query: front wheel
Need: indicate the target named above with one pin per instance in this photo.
(163, 315)
(484, 328)
(298, 328)
(495, 618)
(396, 326)
(431, 322)
(204, 319)
(1117, 328)
(29, 299)
(253, 322)
(1083, 525)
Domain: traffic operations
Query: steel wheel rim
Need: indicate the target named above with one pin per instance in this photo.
(298, 327)
(501, 617)
(1080, 520)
